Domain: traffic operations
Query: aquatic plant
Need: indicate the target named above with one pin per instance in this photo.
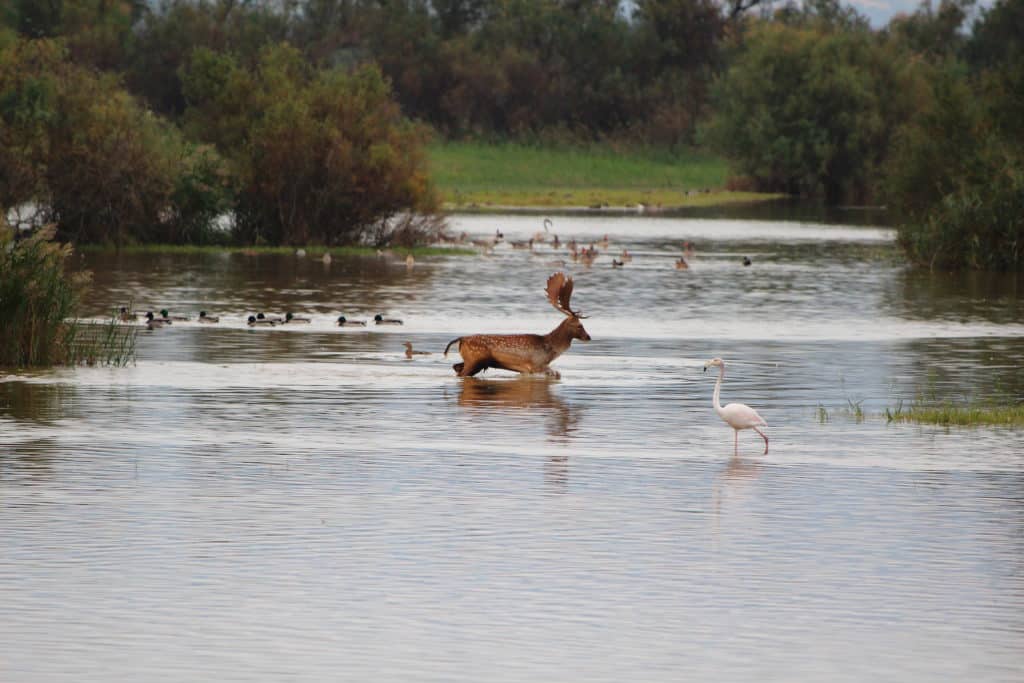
(952, 414)
(38, 299)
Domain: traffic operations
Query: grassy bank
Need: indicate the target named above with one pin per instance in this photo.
(484, 175)
(965, 415)
(311, 251)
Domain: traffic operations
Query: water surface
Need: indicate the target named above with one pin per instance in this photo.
(307, 504)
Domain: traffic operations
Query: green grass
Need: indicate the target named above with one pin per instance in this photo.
(311, 251)
(961, 415)
(508, 174)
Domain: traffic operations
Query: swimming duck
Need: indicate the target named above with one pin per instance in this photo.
(381, 320)
(681, 264)
(746, 261)
(203, 318)
(410, 352)
(617, 263)
(276, 320)
(345, 322)
(289, 318)
(154, 323)
(166, 316)
(260, 322)
(126, 316)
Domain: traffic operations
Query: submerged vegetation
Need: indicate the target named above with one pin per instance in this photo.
(38, 300)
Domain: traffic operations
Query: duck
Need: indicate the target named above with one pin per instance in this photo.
(154, 323)
(381, 320)
(290, 318)
(528, 244)
(276, 320)
(747, 261)
(625, 257)
(126, 316)
(167, 316)
(260, 322)
(345, 322)
(203, 318)
(617, 263)
(410, 352)
(681, 264)
(410, 261)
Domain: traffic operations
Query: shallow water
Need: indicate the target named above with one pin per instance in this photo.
(304, 503)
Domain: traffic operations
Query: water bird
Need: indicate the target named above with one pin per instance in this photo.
(548, 224)
(126, 316)
(154, 323)
(255, 321)
(300, 252)
(276, 320)
(293, 319)
(165, 314)
(617, 263)
(410, 352)
(345, 322)
(736, 415)
(604, 242)
(326, 258)
(410, 261)
(203, 318)
(746, 261)
(381, 320)
(528, 244)
(681, 264)
(625, 256)
(555, 243)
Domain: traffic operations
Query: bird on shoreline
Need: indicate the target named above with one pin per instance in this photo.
(736, 415)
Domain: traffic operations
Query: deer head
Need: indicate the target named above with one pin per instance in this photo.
(560, 294)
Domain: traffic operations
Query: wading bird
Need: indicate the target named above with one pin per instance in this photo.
(736, 415)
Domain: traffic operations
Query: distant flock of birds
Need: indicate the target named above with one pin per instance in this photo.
(583, 255)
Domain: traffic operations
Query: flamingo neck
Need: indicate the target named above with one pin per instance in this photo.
(718, 388)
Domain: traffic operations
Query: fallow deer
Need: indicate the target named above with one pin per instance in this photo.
(524, 353)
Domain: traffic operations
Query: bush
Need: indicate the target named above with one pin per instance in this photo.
(321, 156)
(98, 165)
(811, 111)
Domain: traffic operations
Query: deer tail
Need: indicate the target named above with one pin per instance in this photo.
(457, 339)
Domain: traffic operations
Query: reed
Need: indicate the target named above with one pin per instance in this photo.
(960, 415)
(311, 250)
(38, 300)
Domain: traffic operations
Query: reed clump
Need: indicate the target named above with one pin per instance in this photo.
(38, 301)
(960, 415)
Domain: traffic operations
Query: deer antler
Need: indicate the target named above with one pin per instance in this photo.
(560, 293)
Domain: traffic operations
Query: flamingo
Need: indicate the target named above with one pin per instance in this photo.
(736, 415)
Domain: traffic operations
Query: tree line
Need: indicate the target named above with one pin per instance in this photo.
(306, 118)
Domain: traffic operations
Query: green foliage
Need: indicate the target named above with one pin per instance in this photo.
(95, 162)
(811, 111)
(38, 298)
(321, 156)
(962, 415)
(955, 176)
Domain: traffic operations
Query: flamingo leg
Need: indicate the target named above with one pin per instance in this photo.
(736, 440)
(765, 440)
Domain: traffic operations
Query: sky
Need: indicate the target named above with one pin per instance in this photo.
(881, 11)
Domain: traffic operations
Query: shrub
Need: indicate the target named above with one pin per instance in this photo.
(37, 300)
(321, 156)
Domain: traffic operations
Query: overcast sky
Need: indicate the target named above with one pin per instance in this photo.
(881, 11)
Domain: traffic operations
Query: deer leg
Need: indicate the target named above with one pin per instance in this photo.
(458, 368)
(553, 374)
(765, 440)
(470, 369)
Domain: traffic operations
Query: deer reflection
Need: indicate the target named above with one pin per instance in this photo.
(528, 392)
